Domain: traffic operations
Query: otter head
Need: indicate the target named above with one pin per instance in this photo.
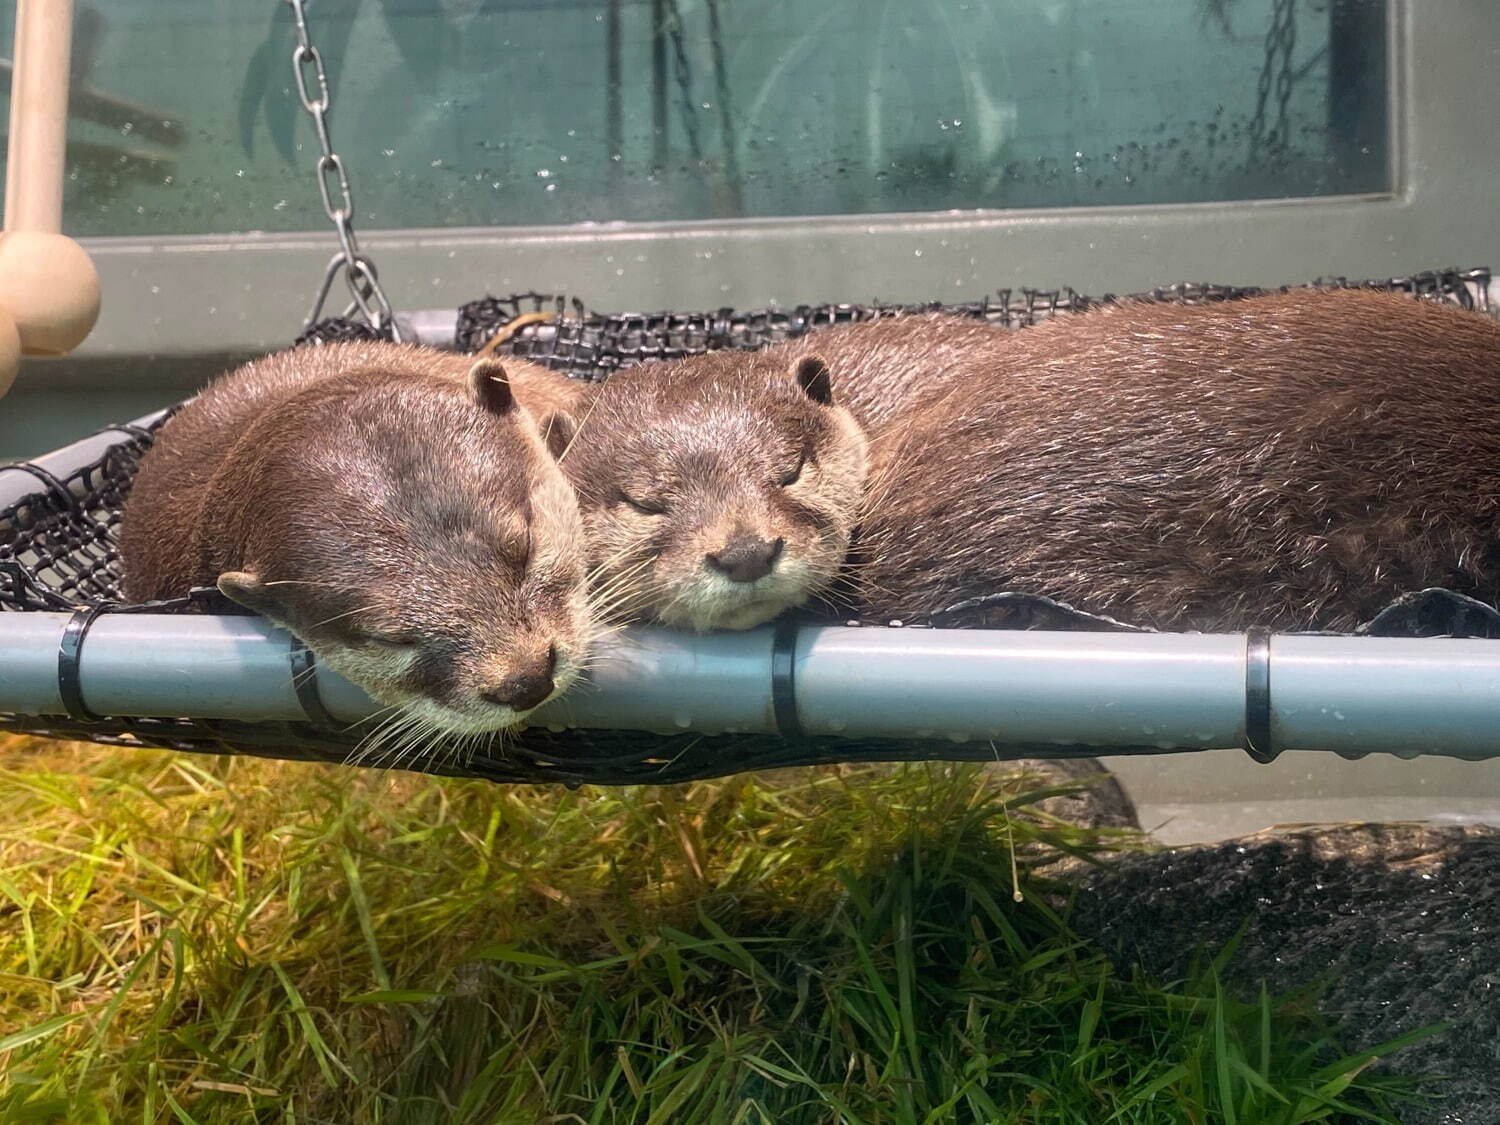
(716, 491)
(424, 545)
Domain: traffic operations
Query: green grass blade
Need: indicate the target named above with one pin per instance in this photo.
(38, 1032)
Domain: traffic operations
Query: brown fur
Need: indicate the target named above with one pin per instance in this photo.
(706, 444)
(1292, 461)
(412, 529)
(882, 367)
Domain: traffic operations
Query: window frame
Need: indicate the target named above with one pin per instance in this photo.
(196, 296)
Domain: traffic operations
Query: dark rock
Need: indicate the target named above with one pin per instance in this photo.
(1402, 920)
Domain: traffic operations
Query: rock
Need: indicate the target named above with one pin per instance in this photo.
(1402, 919)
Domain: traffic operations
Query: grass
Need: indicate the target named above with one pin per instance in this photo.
(228, 940)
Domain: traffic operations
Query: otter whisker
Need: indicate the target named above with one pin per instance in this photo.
(412, 732)
(604, 568)
(381, 720)
(347, 613)
(384, 731)
(622, 591)
(394, 750)
(419, 735)
(578, 429)
(615, 593)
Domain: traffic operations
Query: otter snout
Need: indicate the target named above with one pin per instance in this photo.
(527, 686)
(746, 558)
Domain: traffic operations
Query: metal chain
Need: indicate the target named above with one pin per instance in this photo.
(1287, 37)
(1275, 70)
(684, 75)
(338, 202)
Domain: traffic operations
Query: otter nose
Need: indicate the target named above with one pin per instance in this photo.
(746, 558)
(524, 689)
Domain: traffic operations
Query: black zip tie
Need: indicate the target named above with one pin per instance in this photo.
(69, 688)
(305, 683)
(1258, 742)
(783, 682)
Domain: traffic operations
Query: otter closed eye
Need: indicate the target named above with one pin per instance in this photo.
(387, 640)
(644, 507)
(521, 549)
(790, 478)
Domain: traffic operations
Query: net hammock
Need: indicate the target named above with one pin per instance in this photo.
(58, 548)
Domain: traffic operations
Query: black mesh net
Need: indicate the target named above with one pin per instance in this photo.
(590, 346)
(58, 547)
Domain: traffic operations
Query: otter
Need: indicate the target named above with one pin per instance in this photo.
(717, 490)
(394, 507)
(1291, 460)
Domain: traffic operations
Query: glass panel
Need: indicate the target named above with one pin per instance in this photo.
(494, 112)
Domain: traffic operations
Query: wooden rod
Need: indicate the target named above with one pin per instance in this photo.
(38, 116)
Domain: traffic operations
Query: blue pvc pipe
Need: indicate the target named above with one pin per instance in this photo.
(1165, 691)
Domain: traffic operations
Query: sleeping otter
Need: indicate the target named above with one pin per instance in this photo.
(392, 506)
(716, 491)
(1293, 460)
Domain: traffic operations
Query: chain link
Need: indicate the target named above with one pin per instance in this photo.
(684, 75)
(1275, 71)
(338, 200)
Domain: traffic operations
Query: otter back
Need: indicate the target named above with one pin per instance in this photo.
(1293, 461)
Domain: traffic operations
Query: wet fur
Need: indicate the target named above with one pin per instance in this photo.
(360, 490)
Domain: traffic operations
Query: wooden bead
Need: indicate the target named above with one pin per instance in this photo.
(10, 351)
(50, 289)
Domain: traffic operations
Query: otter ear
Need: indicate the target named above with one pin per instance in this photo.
(248, 590)
(813, 377)
(491, 387)
(558, 432)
